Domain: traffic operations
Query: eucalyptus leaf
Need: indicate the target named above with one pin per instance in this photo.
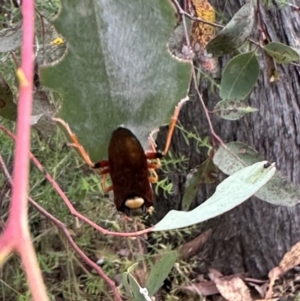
(281, 53)
(207, 173)
(11, 38)
(297, 49)
(234, 34)
(42, 112)
(160, 272)
(229, 164)
(117, 69)
(279, 190)
(239, 76)
(233, 191)
(232, 109)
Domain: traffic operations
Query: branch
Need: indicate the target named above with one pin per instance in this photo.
(216, 137)
(69, 238)
(194, 77)
(16, 236)
(69, 204)
(183, 12)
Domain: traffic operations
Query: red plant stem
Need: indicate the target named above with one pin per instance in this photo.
(18, 211)
(194, 77)
(16, 236)
(92, 264)
(63, 228)
(69, 204)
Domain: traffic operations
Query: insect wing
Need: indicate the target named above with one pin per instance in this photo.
(128, 169)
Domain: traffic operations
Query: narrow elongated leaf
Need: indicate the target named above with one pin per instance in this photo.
(232, 109)
(234, 34)
(131, 286)
(135, 288)
(279, 190)
(160, 272)
(207, 173)
(125, 282)
(230, 193)
(117, 69)
(239, 76)
(281, 53)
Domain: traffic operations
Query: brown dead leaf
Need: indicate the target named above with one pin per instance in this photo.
(140, 275)
(291, 258)
(213, 274)
(234, 289)
(261, 289)
(273, 299)
(273, 275)
(207, 288)
(192, 247)
(200, 278)
(202, 33)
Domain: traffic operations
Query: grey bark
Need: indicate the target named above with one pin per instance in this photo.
(253, 237)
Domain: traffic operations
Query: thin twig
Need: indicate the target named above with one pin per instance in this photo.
(69, 238)
(16, 236)
(295, 64)
(183, 12)
(206, 111)
(196, 84)
(69, 204)
(197, 19)
(4, 169)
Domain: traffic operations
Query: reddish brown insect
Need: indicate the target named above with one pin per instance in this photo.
(131, 169)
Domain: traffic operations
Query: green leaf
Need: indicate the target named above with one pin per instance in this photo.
(8, 109)
(160, 272)
(281, 53)
(131, 286)
(228, 162)
(205, 173)
(125, 283)
(11, 38)
(230, 193)
(279, 190)
(232, 109)
(41, 115)
(239, 76)
(135, 288)
(234, 34)
(117, 69)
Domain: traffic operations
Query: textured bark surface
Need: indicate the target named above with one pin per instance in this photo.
(254, 236)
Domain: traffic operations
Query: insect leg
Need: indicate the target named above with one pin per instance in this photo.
(153, 178)
(172, 124)
(154, 165)
(75, 143)
(152, 141)
(104, 172)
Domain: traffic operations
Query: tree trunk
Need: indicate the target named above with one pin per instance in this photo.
(254, 236)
